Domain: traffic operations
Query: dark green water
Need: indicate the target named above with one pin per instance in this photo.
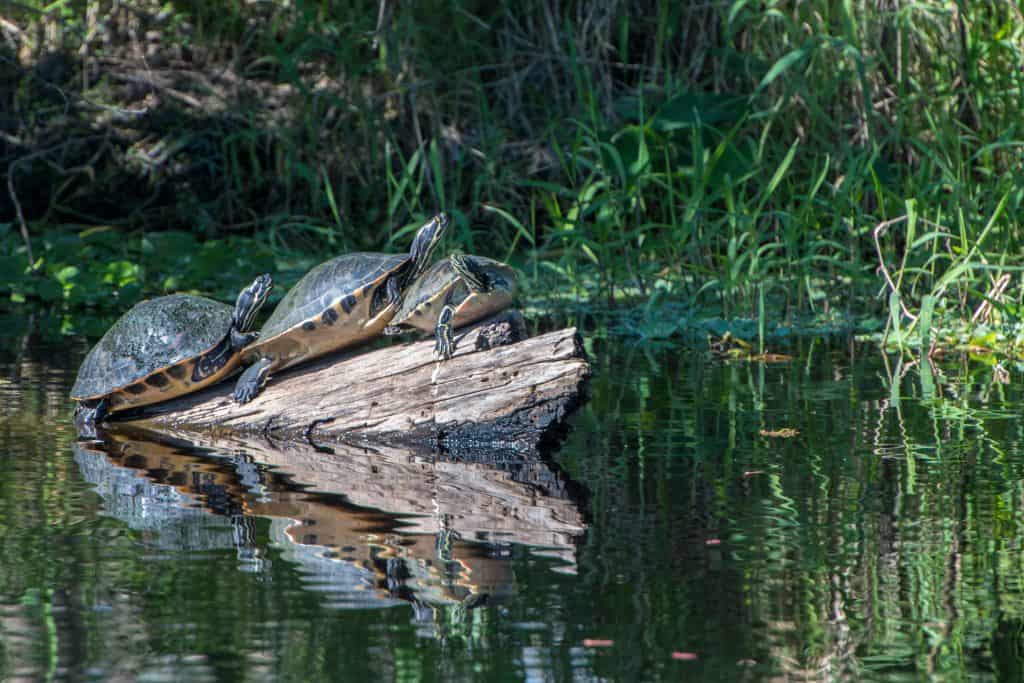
(883, 542)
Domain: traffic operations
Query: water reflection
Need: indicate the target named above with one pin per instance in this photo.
(443, 540)
(883, 541)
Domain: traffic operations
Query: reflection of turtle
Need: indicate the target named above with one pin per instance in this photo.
(340, 303)
(165, 347)
(454, 292)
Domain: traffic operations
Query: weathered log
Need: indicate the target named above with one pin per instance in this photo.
(489, 395)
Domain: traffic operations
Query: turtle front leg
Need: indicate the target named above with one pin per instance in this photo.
(252, 380)
(88, 416)
(444, 338)
(239, 340)
(214, 361)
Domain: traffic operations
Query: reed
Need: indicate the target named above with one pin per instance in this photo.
(740, 158)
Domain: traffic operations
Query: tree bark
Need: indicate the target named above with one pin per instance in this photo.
(491, 395)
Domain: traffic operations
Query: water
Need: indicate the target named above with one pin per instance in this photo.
(668, 538)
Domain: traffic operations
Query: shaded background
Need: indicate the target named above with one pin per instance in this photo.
(723, 156)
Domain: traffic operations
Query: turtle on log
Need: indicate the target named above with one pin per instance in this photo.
(163, 348)
(454, 292)
(340, 303)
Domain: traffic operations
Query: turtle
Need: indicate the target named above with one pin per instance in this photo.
(454, 292)
(340, 303)
(163, 348)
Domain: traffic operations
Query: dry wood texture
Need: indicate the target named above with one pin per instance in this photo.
(487, 396)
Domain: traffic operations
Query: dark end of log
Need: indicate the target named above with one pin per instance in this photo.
(501, 330)
(501, 392)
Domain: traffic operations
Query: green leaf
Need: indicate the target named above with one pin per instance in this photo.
(924, 321)
(734, 11)
(690, 109)
(67, 274)
(49, 290)
(894, 314)
(784, 64)
(120, 273)
(12, 269)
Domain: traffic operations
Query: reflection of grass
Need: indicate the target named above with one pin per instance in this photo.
(877, 539)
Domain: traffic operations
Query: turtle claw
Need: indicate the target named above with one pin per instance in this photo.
(444, 340)
(87, 417)
(443, 349)
(252, 380)
(243, 395)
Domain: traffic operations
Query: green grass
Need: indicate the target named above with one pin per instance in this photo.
(732, 158)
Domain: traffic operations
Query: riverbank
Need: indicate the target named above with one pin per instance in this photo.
(775, 164)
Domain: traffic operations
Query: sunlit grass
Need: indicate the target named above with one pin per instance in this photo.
(737, 159)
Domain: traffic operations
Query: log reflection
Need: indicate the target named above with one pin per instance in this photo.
(366, 529)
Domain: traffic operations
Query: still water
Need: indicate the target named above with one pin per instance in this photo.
(674, 535)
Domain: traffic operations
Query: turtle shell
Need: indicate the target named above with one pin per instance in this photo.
(434, 282)
(152, 336)
(348, 275)
(441, 283)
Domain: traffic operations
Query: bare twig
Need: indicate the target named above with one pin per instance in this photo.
(884, 225)
(383, 23)
(995, 293)
(12, 193)
(23, 226)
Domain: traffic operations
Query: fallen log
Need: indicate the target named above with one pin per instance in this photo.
(497, 392)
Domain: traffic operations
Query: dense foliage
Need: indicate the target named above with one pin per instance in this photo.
(779, 159)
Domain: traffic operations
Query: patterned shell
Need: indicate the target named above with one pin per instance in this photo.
(327, 283)
(154, 334)
(438, 278)
(434, 280)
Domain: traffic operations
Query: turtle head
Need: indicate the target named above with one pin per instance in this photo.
(426, 240)
(474, 272)
(249, 301)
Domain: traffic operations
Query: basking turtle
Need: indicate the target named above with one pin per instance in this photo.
(454, 292)
(340, 303)
(165, 347)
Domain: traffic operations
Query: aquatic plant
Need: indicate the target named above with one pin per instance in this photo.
(767, 160)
